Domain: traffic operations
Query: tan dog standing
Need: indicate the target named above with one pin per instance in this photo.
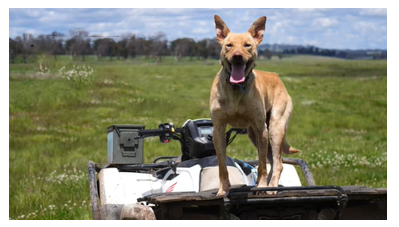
(245, 98)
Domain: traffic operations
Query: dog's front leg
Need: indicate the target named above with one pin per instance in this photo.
(219, 142)
(262, 146)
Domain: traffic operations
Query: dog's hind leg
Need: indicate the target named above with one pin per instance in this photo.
(260, 139)
(277, 129)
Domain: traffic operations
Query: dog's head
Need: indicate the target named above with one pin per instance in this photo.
(239, 51)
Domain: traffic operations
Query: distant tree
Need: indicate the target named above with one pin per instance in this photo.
(56, 44)
(142, 46)
(268, 54)
(121, 48)
(105, 47)
(158, 47)
(183, 47)
(78, 44)
(26, 44)
(131, 45)
(201, 48)
(49, 44)
(57, 48)
(213, 48)
(208, 48)
(14, 48)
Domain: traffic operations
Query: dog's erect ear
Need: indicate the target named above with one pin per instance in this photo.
(221, 29)
(258, 29)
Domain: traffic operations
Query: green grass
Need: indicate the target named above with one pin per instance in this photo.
(339, 122)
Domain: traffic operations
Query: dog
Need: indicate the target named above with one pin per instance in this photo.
(243, 97)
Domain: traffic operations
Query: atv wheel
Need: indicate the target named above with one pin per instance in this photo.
(94, 198)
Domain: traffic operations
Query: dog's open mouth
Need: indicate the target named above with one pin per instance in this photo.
(237, 73)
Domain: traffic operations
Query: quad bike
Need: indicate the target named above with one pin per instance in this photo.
(185, 186)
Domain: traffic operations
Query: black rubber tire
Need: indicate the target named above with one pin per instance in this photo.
(94, 197)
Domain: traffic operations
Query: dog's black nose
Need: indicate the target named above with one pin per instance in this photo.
(237, 58)
(237, 55)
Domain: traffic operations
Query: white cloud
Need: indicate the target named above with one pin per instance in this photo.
(324, 22)
(373, 12)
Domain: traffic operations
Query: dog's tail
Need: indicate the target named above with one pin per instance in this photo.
(288, 149)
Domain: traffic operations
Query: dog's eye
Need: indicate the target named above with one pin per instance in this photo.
(229, 45)
(247, 45)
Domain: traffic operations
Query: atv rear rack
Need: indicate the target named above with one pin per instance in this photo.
(253, 203)
(249, 196)
(249, 203)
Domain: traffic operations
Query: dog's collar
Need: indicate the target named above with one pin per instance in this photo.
(241, 86)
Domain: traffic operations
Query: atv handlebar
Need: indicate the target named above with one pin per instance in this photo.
(150, 132)
(165, 132)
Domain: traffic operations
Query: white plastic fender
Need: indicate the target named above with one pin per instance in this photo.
(186, 181)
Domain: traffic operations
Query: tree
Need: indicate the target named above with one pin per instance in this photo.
(158, 44)
(142, 46)
(202, 50)
(27, 45)
(208, 48)
(268, 54)
(183, 47)
(56, 44)
(121, 48)
(14, 48)
(105, 47)
(131, 45)
(213, 48)
(79, 43)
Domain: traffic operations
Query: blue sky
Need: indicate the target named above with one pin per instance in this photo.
(335, 28)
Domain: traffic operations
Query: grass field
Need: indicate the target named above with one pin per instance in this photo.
(56, 126)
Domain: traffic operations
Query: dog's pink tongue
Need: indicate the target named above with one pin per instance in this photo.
(237, 74)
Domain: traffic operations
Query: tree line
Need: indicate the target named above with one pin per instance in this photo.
(80, 44)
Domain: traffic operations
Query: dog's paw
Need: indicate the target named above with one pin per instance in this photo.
(260, 193)
(263, 191)
(271, 192)
(221, 193)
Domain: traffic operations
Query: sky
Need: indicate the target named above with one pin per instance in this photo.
(331, 28)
